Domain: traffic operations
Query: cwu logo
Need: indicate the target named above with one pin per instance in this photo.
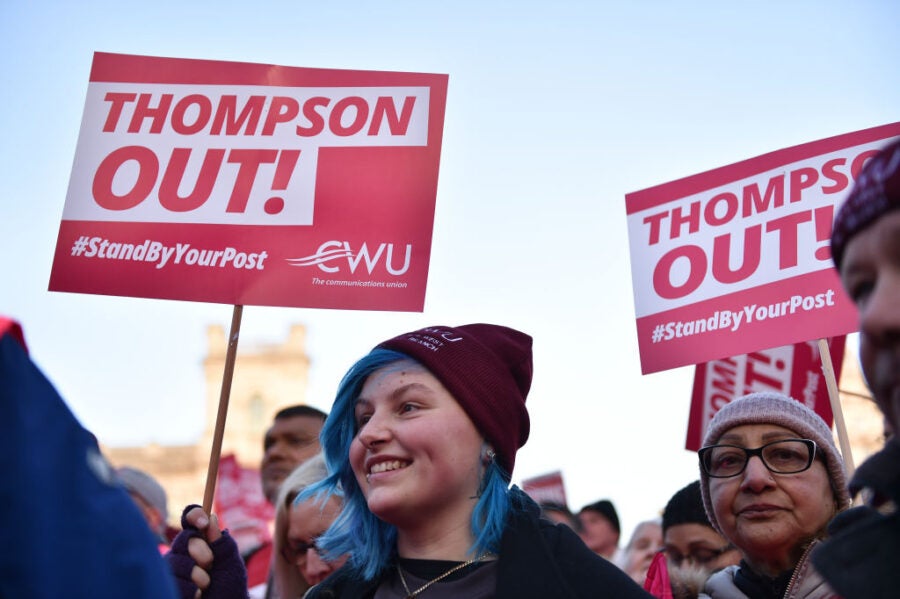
(331, 256)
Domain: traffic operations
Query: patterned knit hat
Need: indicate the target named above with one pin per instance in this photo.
(876, 192)
(487, 368)
(774, 408)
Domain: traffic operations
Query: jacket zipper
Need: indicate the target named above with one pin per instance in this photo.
(790, 586)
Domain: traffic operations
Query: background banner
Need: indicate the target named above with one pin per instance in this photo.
(793, 370)
(546, 488)
(240, 504)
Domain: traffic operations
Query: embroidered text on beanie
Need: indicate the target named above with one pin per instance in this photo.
(487, 368)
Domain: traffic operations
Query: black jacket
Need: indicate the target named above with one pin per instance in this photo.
(861, 559)
(538, 560)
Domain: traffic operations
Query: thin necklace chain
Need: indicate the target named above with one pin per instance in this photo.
(456, 568)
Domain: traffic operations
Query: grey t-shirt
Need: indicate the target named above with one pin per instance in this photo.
(477, 581)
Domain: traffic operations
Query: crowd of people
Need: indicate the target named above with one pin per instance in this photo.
(421, 442)
(404, 488)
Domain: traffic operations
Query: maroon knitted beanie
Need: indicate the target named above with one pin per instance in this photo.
(876, 191)
(487, 368)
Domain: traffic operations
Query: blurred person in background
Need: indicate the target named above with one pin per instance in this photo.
(297, 564)
(644, 544)
(151, 499)
(692, 548)
(559, 513)
(600, 528)
(292, 439)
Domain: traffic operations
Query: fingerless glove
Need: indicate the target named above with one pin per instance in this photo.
(228, 575)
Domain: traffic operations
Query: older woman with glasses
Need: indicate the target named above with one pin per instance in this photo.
(296, 561)
(771, 480)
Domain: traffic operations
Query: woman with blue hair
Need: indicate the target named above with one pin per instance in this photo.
(421, 443)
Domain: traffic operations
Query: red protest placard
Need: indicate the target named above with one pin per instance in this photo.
(793, 370)
(737, 259)
(241, 505)
(546, 488)
(253, 184)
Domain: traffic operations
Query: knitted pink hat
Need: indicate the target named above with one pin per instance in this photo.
(487, 368)
(768, 407)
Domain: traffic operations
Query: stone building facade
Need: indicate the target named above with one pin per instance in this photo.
(266, 378)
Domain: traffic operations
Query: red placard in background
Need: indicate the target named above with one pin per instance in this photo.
(794, 370)
(546, 488)
(253, 184)
(241, 505)
(737, 259)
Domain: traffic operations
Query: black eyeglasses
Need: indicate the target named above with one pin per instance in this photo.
(293, 550)
(700, 556)
(788, 456)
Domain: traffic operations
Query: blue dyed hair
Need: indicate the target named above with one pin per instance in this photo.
(370, 542)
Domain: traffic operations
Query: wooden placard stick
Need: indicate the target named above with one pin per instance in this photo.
(834, 397)
(216, 451)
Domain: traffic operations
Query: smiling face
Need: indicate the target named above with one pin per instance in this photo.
(770, 517)
(416, 454)
(870, 273)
